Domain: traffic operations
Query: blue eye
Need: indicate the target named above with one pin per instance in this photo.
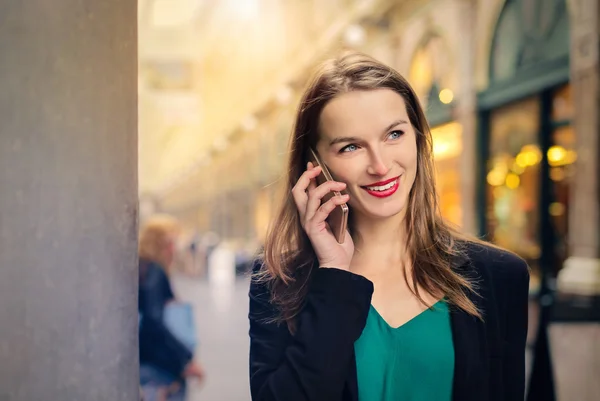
(396, 134)
(348, 148)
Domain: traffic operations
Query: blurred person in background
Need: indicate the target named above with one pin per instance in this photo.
(165, 362)
(406, 307)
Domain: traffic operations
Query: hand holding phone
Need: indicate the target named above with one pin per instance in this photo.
(317, 204)
(338, 218)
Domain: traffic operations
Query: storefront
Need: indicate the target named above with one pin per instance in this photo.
(526, 139)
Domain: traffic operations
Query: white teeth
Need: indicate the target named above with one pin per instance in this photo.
(383, 187)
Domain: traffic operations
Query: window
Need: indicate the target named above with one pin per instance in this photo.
(513, 179)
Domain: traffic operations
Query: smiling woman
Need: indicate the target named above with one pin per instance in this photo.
(406, 307)
(382, 140)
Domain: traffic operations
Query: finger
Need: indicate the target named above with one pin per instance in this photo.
(304, 180)
(299, 191)
(326, 208)
(312, 185)
(315, 196)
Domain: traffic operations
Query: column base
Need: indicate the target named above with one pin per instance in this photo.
(580, 276)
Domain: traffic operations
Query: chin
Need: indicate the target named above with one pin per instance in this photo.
(380, 212)
(386, 213)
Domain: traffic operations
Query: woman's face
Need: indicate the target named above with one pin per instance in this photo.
(367, 141)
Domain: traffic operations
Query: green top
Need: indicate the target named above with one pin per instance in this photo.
(413, 362)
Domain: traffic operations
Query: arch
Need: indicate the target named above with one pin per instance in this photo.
(528, 32)
(487, 18)
(528, 50)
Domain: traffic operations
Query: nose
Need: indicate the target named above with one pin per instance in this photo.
(377, 165)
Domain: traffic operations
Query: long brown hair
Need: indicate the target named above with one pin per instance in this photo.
(432, 243)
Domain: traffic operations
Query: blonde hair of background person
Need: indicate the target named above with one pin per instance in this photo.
(156, 239)
(317, 307)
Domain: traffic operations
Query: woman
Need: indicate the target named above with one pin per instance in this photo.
(406, 308)
(164, 361)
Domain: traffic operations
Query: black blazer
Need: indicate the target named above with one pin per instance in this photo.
(318, 362)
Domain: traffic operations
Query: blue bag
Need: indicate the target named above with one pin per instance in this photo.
(179, 319)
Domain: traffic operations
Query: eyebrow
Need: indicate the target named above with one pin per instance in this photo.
(355, 139)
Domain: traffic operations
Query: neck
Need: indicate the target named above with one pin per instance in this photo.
(380, 240)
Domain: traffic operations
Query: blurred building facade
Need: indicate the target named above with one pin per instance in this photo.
(510, 88)
(507, 84)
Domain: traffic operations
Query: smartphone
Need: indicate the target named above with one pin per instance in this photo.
(338, 218)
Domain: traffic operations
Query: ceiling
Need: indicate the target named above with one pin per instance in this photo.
(207, 66)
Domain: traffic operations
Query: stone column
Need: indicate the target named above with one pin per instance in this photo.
(581, 273)
(68, 203)
(575, 346)
(466, 113)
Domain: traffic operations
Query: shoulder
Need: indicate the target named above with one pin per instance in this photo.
(258, 265)
(261, 310)
(151, 271)
(260, 282)
(297, 269)
(502, 267)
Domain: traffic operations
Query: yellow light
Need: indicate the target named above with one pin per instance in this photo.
(446, 96)
(447, 141)
(440, 149)
(495, 177)
(556, 155)
(512, 181)
(559, 156)
(531, 158)
(522, 160)
(556, 209)
(531, 155)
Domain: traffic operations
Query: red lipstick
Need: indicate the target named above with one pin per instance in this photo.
(386, 188)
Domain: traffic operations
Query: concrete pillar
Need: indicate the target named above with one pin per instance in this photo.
(575, 347)
(466, 113)
(581, 273)
(68, 203)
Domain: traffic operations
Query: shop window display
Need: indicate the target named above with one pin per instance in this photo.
(513, 178)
